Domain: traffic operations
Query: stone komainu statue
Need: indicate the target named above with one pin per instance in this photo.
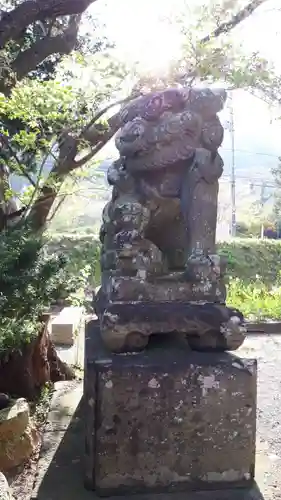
(160, 272)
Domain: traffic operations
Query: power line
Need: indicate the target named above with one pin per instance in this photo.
(233, 180)
(253, 184)
(249, 178)
(251, 152)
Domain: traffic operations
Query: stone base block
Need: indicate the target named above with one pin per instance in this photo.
(126, 327)
(65, 325)
(168, 419)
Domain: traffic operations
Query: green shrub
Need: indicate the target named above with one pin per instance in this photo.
(248, 258)
(82, 271)
(253, 270)
(29, 282)
(255, 300)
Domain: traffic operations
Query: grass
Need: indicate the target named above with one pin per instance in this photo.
(254, 270)
(40, 408)
(257, 301)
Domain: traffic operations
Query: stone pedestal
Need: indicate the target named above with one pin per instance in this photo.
(167, 419)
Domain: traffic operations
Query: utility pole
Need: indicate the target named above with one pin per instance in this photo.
(262, 203)
(233, 176)
(262, 195)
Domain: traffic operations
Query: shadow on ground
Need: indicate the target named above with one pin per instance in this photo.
(63, 478)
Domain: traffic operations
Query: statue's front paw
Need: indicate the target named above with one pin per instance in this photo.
(202, 157)
(209, 167)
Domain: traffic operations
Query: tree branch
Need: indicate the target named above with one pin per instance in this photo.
(64, 43)
(69, 147)
(22, 169)
(86, 158)
(106, 137)
(234, 21)
(67, 163)
(83, 134)
(57, 208)
(14, 22)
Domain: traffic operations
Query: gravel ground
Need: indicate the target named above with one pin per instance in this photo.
(267, 350)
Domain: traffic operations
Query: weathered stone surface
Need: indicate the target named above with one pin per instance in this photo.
(18, 435)
(126, 327)
(168, 418)
(167, 288)
(5, 492)
(165, 184)
(158, 231)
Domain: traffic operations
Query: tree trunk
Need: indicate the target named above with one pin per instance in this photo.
(14, 22)
(24, 372)
(66, 164)
(236, 19)
(63, 43)
(7, 206)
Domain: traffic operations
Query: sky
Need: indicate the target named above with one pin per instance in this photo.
(143, 31)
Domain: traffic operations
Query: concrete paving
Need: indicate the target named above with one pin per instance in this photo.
(65, 325)
(60, 468)
(74, 354)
